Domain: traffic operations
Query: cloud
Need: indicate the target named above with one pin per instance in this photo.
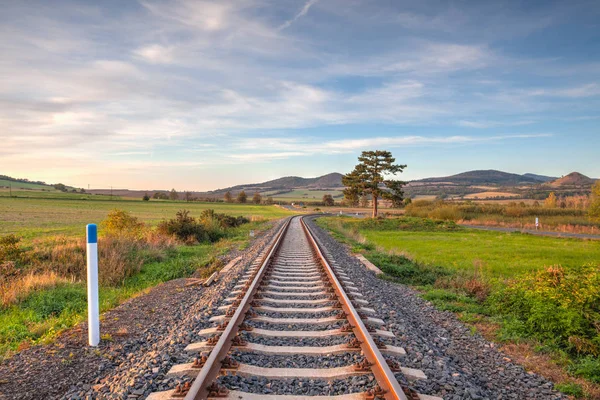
(491, 124)
(155, 54)
(283, 148)
(300, 14)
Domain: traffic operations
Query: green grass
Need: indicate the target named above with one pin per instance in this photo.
(39, 317)
(31, 218)
(499, 254)
(43, 314)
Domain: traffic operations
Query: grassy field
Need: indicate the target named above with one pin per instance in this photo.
(32, 218)
(304, 195)
(54, 299)
(497, 254)
(538, 292)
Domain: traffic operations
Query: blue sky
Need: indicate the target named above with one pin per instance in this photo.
(199, 95)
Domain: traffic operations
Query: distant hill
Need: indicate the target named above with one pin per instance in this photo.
(541, 178)
(329, 181)
(484, 177)
(573, 179)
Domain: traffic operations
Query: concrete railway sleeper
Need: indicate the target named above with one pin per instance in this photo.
(287, 302)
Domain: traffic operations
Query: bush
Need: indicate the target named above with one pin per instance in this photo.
(183, 226)
(210, 227)
(122, 223)
(556, 305)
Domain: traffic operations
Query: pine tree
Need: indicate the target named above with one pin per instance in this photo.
(367, 178)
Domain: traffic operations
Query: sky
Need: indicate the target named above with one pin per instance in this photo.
(199, 95)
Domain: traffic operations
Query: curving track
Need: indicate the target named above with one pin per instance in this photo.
(292, 303)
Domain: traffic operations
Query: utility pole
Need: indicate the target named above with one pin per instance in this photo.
(111, 192)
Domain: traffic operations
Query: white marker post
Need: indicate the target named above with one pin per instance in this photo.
(92, 285)
(537, 223)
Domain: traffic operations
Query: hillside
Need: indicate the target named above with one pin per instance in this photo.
(573, 179)
(541, 178)
(329, 181)
(16, 183)
(484, 177)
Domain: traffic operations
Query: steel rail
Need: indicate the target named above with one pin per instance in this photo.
(384, 375)
(212, 366)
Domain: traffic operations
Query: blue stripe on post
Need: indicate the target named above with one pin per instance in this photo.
(92, 233)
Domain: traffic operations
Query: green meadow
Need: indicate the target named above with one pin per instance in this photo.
(65, 215)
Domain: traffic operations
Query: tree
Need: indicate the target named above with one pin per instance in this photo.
(351, 197)
(61, 187)
(173, 195)
(188, 196)
(257, 198)
(228, 197)
(160, 196)
(242, 197)
(367, 178)
(594, 210)
(550, 202)
(328, 200)
(146, 197)
(269, 200)
(364, 200)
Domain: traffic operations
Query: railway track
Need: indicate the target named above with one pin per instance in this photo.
(294, 303)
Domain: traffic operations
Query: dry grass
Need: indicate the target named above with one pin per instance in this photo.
(486, 195)
(61, 259)
(12, 291)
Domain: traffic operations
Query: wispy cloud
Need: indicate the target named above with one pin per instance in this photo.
(299, 15)
(283, 148)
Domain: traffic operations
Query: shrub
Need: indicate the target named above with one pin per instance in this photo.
(122, 223)
(183, 226)
(556, 305)
(210, 227)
